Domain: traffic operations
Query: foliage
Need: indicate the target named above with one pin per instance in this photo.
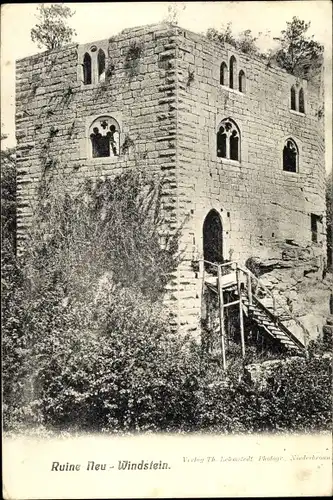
(132, 58)
(108, 365)
(8, 201)
(111, 226)
(297, 398)
(173, 12)
(245, 41)
(51, 31)
(329, 219)
(85, 337)
(87, 343)
(298, 54)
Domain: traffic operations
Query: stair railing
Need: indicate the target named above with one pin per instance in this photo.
(251, 293)
(250, 276)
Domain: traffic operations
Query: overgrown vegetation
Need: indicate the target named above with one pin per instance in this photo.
(51, 31)
(298, 54)
(132, 58)
(245, 41)
(329, 219)
(86, 338)
(8, 203)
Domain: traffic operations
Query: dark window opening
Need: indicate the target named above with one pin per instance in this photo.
(241, 81)
(301, 106)
(232, 66)
(104, 140)
(101, 64)
(234, 145)
(87, 69)
(290, 156)
(293, 98)
(228, 140)
(223, 73)
(315, 222)
(221, 143)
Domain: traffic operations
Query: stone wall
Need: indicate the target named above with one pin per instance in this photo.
(168, 103)
(54, 110)
(259, 203)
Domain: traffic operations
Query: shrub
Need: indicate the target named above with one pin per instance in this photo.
(86, 339)
(87, 343)
(297, 398)
(117, 369)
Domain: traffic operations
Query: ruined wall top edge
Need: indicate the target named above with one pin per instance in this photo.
(191, 36)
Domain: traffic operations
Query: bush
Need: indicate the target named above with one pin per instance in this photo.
(120, 370)
(297, 398)
(86, 339)
(87, 342)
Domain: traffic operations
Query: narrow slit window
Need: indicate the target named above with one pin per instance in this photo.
(301, 105)
(234, 147)
(315, 227)
(241, 81)
(221, 143)
(232, 68)
(293, 98)
(101, 65)
(223, 74)
(87, 69)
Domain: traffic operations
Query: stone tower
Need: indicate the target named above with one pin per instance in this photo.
(240, 144)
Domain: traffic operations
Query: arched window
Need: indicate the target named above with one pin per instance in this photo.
(293, 98)
(104, 137)
(241, 81)
(232, 70)
(290, 156)
(228, 140)
(223, 74)
(301, 105)
(101, 65)
(86, 69)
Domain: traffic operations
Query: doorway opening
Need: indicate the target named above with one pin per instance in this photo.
(213, 238)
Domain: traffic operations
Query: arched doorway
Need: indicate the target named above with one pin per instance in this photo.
(213, 238)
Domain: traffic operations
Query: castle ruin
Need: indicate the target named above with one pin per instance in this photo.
(240, 145)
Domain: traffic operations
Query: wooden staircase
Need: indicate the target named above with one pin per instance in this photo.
(257, 303)
(261, 311)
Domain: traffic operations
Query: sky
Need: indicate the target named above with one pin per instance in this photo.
(96, 21)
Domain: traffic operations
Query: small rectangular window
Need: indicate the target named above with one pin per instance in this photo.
(315, 225)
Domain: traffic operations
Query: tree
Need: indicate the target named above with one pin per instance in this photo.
(173, 12)
(8, 200)
(299, 55)
(245, 41)
(51, 31)
(223, 36)
(329, 219)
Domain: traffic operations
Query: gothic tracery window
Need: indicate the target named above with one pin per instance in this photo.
(228, 140)
(290, 156)
(104, 137)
